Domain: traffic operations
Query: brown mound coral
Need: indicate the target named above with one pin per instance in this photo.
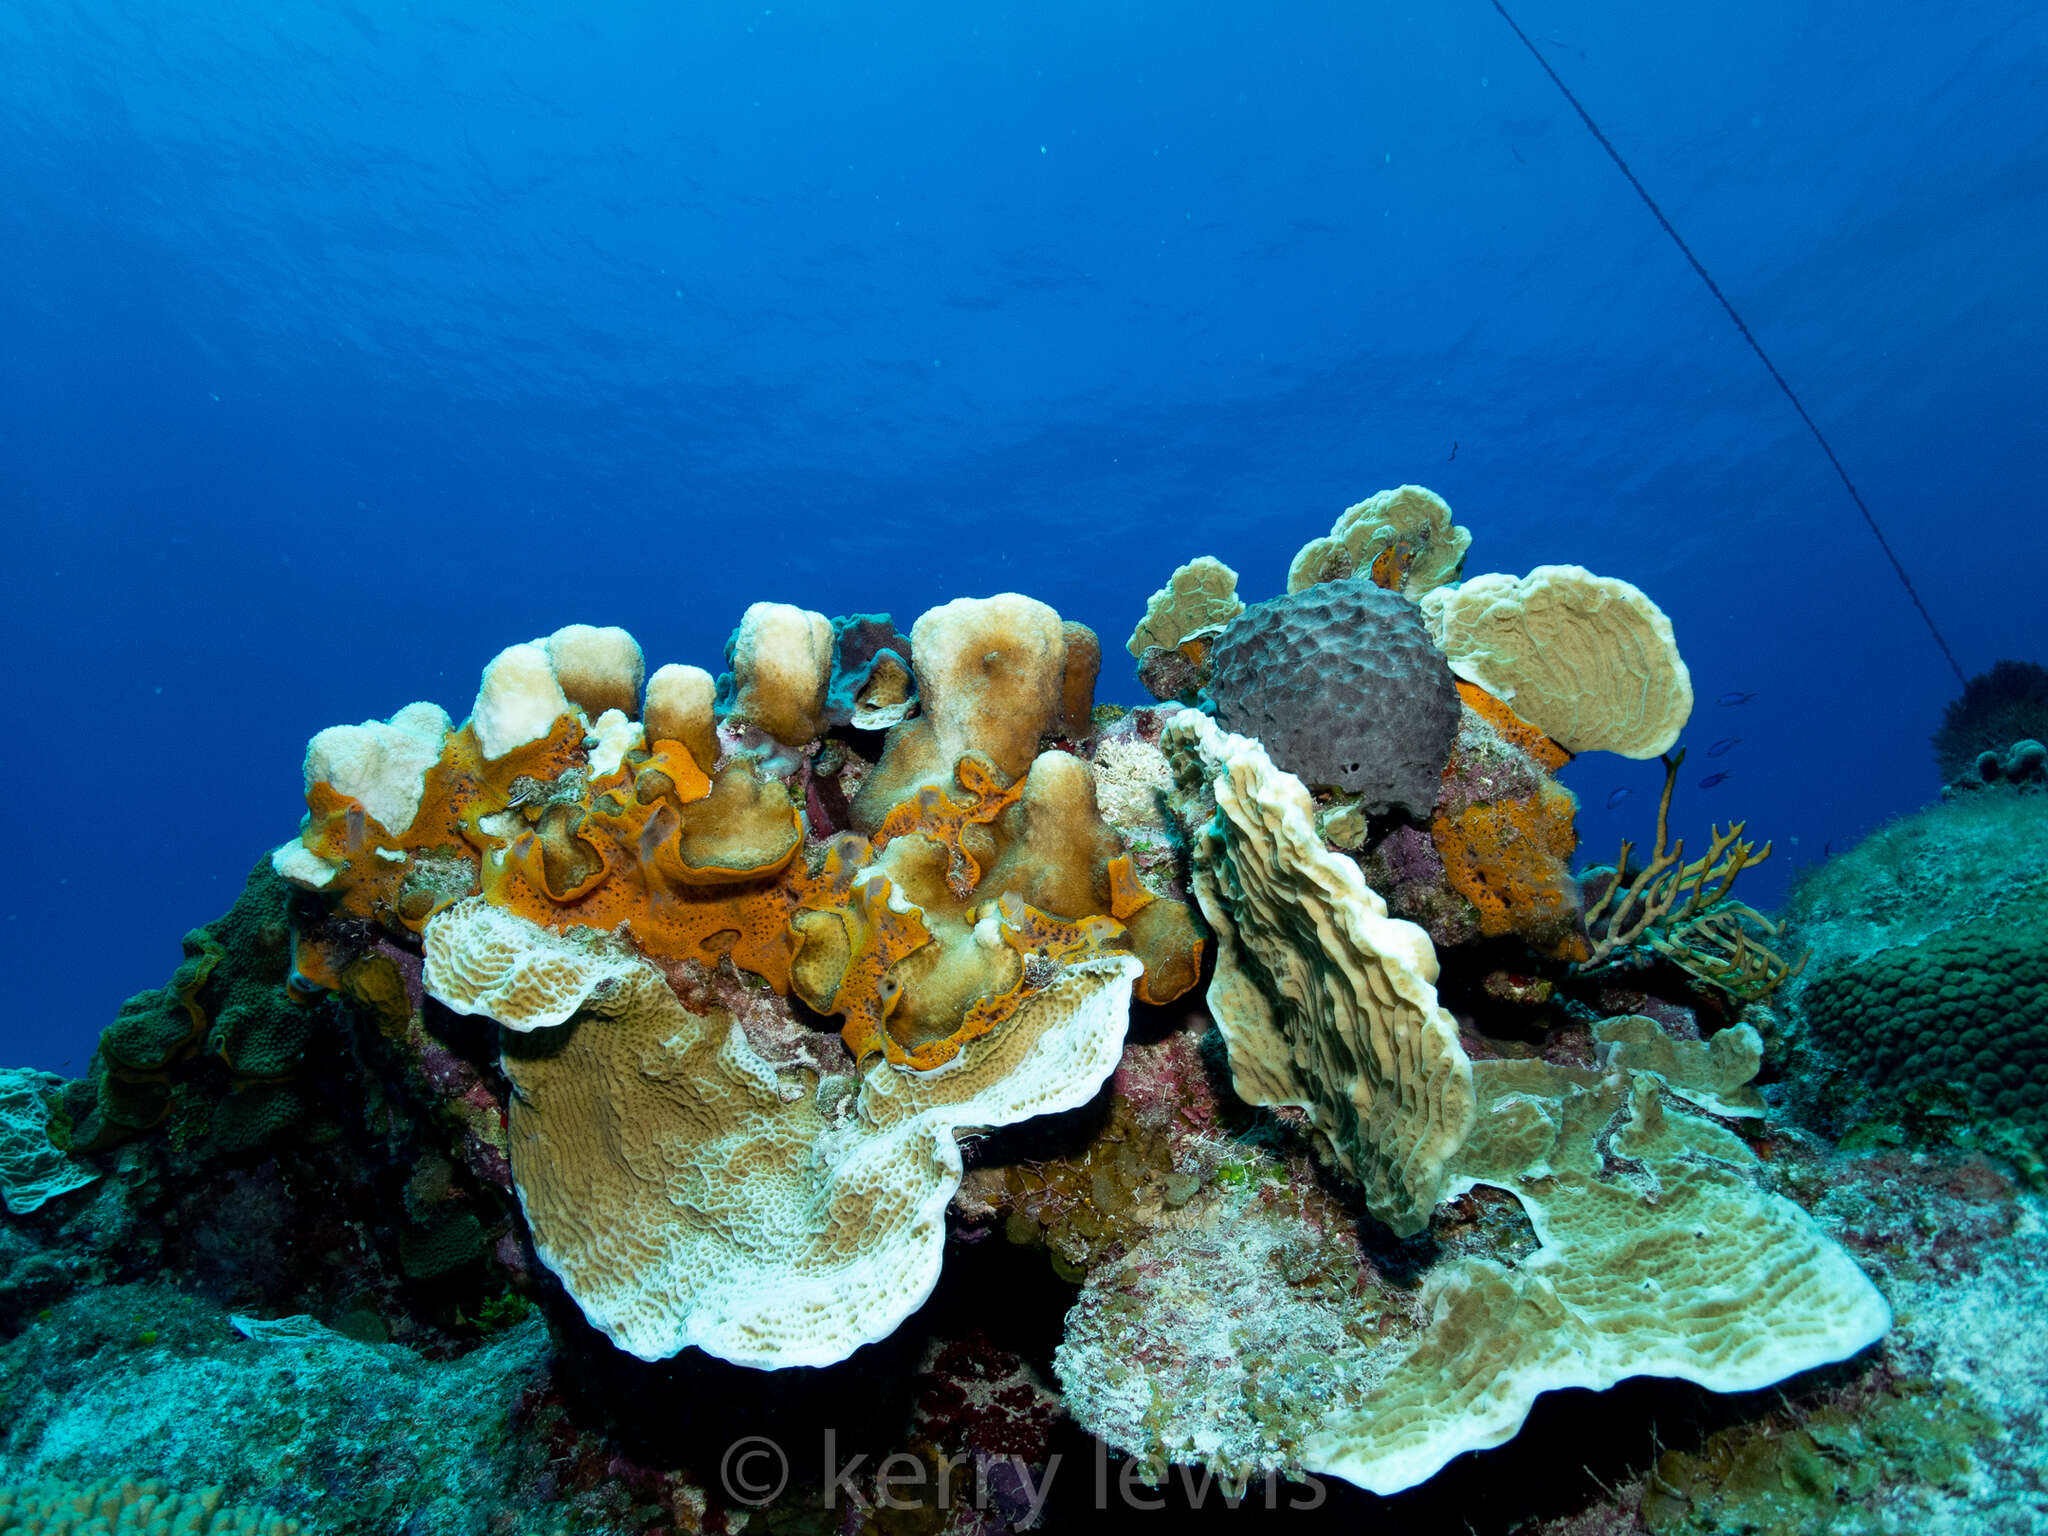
(985, 871)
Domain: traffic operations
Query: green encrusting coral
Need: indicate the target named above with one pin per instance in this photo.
(1827, 1469)
(1967, 1008)
(1929, 986)
(227, 1002)
(130, 1508)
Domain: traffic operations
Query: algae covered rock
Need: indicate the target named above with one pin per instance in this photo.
(351, 1439)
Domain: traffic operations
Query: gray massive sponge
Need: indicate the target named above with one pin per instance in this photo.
(1341, 684)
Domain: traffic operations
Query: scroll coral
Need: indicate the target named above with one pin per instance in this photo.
(698, 1179)
(1588, 660)
(1324, 1001)
(1403, 540)
(1660, 1256)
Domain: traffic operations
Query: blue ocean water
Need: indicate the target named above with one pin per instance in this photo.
(348, 343)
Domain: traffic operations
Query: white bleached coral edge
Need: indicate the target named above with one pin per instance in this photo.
(690, 1192)
(381, 763)
(481, 959)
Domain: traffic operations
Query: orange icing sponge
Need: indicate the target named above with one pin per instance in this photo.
(1511, 859)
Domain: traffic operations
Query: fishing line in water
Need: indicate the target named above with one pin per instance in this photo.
(1754, 345)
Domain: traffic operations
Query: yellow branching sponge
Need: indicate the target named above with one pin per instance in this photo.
(1325, 1002)
(1587, 660)
(701, 1169)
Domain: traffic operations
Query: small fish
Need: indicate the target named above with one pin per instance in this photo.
(1716, 778)
(1616, 798)
(1725, 745)
(1728, 699)
(1454, 450)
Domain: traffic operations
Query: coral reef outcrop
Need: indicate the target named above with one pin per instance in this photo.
(572, 870)
(890, 1009)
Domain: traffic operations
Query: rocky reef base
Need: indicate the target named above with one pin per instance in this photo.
(343, 1328)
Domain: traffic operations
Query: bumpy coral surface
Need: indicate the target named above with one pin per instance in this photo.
(229, 1002)
(129, 1508)
(1965, 1009)
(1344, 689)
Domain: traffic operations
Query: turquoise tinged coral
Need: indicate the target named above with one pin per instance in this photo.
(32, 1169)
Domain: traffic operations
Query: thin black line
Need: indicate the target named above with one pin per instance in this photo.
(1754, 345)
